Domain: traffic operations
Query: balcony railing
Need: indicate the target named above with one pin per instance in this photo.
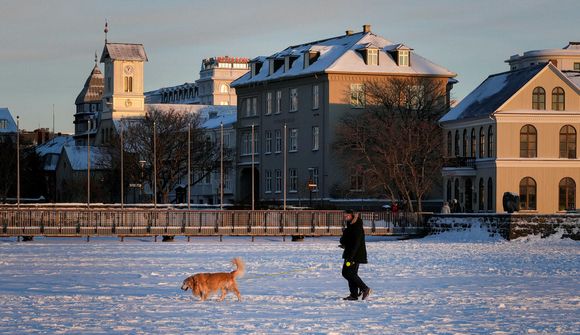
(459, 162)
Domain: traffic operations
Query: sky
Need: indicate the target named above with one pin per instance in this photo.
(47, 48)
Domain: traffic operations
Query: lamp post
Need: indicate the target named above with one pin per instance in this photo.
(122, 171)
(311, 187)
(18, 161)
(222, 166)
(253, 182)
(285, 163)
(154, 166)
(189, 166)
(88, 163)
(142, 163)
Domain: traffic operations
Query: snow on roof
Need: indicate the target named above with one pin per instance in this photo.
(93, 89)
(341, 54)
(123, 51)
(227, 119)
(574, 77)
(55, 145)
(492, 93)
(10, 126)
(77, 156)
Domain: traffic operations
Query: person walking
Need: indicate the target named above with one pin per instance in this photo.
(355, 253)
(445, 209)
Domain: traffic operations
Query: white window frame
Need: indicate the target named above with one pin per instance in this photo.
(372, 56)
(315, 138)
(293, 99)
(404, 57)
(269, 103)
(278, 176)
(292, 180)
(313, 173)
(278, 102)
(248, 106)
(268, 186)
(293, 140)
(278, 139)
(254, 106)
(357, 95)
(315, 97)
(268, 140)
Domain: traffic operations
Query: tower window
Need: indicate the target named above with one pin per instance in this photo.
(128, 84)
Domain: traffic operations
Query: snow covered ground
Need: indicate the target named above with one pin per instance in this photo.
(448, 284)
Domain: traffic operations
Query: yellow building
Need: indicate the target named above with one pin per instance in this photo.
(517, 132)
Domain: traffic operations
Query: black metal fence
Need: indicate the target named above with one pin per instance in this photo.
(153, 222)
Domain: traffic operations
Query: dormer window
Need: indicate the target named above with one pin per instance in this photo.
(403, 57)
(310, 57)
(288, 62)
(372, 57)
(256, 67)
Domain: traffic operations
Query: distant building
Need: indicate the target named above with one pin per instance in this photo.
(295, 99)
(8, 127)
(212, 87)
(518, 132)
(89, 106)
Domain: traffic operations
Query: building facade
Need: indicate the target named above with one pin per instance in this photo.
(212, 87)
(89, 107)
(290, 103)
(517, 132)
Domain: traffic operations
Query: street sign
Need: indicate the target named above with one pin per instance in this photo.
(135, 185)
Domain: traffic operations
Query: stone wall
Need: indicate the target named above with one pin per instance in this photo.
(509, 226)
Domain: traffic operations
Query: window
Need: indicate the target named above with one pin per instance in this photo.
(449, 144)
(254, 106)
(246, 143)
(293, 179)
(464, 143)
(293, 100)
(558, 99)
(567, 142)
(473, 143)
(227, 179)
(278, 102)
(278, 135)
(128, 84)
(293, 140)
(481, 195)
(456, 189)
(576, 66)
(248, 106)
(372, 56)
(528, 142)
(3, 124)
(403, 58)
(527, 194)
(567, 194)
(269, 103)
(278, 181)
(315, 138)
(489, 195)
(356, 180)
(457, 143)
(448, 194)
(315, 97)
(268, 136)
(539, 98)
(490, 141)
(357, 98)
(313, 174)
(268, 188)
(481, 143)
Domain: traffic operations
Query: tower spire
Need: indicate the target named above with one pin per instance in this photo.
(96, 58)
(106, 30)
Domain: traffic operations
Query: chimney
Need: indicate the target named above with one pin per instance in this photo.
(366, 28)
(349, 32)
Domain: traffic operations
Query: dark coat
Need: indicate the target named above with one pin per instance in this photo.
(353, 240)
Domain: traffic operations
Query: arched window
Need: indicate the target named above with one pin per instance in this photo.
(464, 143)
(456, 190)
(457, 143)
(490, 141)
(224, 88)
(567, 194)
(558, 99)
(567, 142)
(528, 194)
(128, 84)
(481, 143)
(448, 194)
(539, 98)
(473, 143)
(489, 195)
(528, 141)
(481, 192)
(449, 144)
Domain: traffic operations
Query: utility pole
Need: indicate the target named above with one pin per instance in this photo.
(222, 166)
(18, 161)
(88, 164)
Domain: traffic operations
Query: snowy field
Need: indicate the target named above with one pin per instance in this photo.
(437, 285)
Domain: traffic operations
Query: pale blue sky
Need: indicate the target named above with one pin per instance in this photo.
(47, 47)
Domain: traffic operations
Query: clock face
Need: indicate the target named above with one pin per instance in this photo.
(128, 70)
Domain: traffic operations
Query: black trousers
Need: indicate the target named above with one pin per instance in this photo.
(355, 284)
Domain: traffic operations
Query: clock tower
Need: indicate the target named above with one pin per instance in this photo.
(123, 95)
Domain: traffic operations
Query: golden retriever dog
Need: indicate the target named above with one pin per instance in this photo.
(204, 284)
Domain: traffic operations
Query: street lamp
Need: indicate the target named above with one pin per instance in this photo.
(311, 187)
(88, 163)
(18, 161)
(142, 163)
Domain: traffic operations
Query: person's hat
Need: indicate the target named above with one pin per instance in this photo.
(349, 211)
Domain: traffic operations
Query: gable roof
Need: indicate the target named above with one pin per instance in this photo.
(93, 89)
(123, 51)
(77, 156)
(342, 54)
(492, 93)
(5, 115)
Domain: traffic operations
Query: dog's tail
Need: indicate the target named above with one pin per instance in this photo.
(240, 267)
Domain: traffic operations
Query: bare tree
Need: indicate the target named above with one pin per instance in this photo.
(396, 138)
(171, 133)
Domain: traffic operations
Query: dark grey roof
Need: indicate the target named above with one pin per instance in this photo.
(123, 51)
(93, 89)
(492, 93)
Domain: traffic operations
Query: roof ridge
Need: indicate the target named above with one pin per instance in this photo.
(324, 40)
